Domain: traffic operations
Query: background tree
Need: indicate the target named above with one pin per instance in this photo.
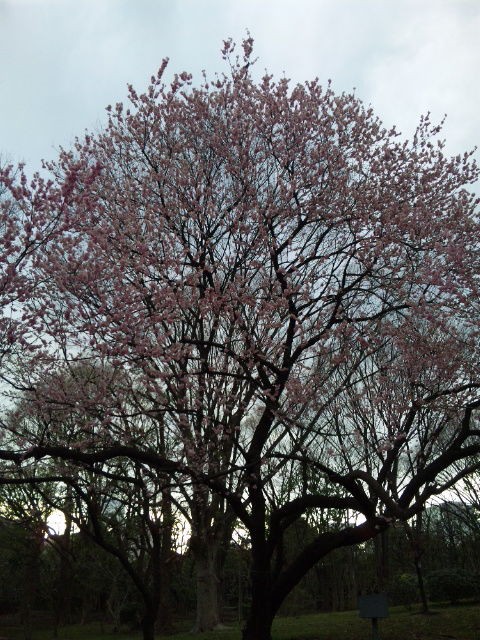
(23, 527)
(118, 505)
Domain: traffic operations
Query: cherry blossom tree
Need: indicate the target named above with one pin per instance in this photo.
(17, 241)
(289, 284)
(31, 212)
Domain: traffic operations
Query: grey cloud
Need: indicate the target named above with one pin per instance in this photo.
(62, 62)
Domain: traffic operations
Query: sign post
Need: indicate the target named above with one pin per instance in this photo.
(373, 606)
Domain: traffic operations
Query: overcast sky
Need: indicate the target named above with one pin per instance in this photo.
(63, 61)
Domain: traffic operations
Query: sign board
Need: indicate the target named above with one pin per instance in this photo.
(373, 605)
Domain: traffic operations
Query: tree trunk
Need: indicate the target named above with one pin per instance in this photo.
(33, 550)
(382, 560)
(165, 560)
(208, 544)
(208, 616)
(352, 588)
(148, 624)
(259, 621)
(414, 538)
(63, 601)
(421, 585)
(258, 626)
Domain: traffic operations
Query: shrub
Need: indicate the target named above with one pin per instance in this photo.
(404, 589)
(451, 584)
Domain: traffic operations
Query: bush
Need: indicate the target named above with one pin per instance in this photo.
(451, 584)
(404, 589)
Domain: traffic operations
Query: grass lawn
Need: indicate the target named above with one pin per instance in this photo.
(459, 623)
